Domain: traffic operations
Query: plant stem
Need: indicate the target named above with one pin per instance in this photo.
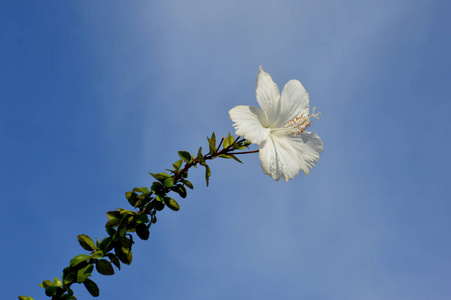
(247, 152)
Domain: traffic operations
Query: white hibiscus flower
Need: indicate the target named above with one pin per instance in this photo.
(279, 128)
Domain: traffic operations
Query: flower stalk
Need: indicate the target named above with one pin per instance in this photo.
(116, 248)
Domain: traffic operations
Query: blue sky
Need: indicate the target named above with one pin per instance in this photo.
(93, 95)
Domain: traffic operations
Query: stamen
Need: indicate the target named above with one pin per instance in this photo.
(299, 124)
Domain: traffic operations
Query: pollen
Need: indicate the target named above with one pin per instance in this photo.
(298, 125)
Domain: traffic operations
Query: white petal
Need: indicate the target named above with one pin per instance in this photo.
(248, 123)
(308, 145)
(268, 96)
(293, 103)
(279, 158)
(282, 156)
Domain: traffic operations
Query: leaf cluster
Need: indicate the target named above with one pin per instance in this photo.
(116, 247)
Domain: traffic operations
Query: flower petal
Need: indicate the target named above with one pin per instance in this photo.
(293, 103)
(268, 96)
(282, 156)
(308, 145)
(248, 123)
(278, 158)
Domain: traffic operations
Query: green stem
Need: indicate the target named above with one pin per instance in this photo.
(150, 206)
(247, 152)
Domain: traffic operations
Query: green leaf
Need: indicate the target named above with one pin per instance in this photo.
(142, 219)
(177, 165)
(51, 290)
(211, 145)
(113, 223)
(69, 274)
(228, 156)
(156, 187)
(187, 183)
(84, 273)
(185, 155)
(138, 203)
(127, 242)
(113, 214)
(171, 203)
(125, 211)
(110, 231)
(124, 254)
(207, 174)
(106, 244)
(98, 254)
(228, 141)
(25, 298)
(132, 198)
(200, 156)
(168, 182)
(238, 146)
(104, 267)
(142, 231)
(159, 205)
(132, 227)
(179, 189)
(121, 231)
(46, 283)
(68, 297)
(231, 138)
(92, 287)
(114, 260)
(86, 242)
(129, 220)
(235, 158)
(160, 176)
(70, 292)
(79, 259)
(142, 190)
(57, 282)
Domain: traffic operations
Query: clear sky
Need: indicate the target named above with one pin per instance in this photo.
(95, 94)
